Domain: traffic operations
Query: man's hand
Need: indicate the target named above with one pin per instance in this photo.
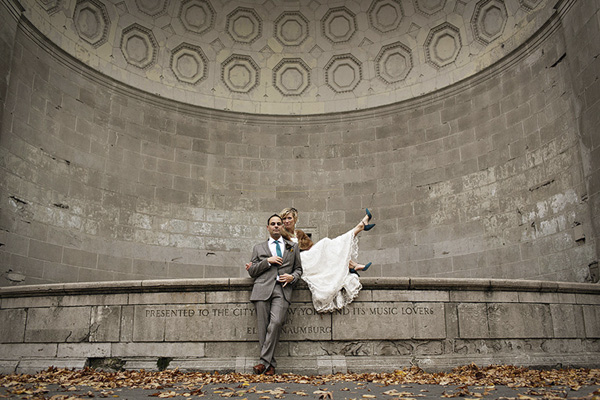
(248, 265)
(275, 260)
(286, 278)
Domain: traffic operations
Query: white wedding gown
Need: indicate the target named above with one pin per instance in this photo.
(325, 270)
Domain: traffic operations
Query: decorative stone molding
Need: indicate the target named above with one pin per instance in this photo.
(197, 16)
(244, 25)
(50, 6)
(343, 73)
(385, 15)
(529, 5)
(429, 7)
(339, 24)
(489, 20)
(91, 21)
(240, 73)
(291, 77)
(273, 31)
(393, 63)
(189, 64)
(153, 8)
(139, 46)
(442, 45)
(291, 28)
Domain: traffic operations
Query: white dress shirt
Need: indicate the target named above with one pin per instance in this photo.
(273, 248)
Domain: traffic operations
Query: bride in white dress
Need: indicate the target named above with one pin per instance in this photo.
(328, 267)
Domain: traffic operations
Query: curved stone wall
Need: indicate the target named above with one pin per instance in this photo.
(486, 178)
(210, 325)
(293, 57)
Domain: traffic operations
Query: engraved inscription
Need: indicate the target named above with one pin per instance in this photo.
(223, 322)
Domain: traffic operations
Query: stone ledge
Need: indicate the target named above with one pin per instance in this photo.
(322, 365)
(225, 284)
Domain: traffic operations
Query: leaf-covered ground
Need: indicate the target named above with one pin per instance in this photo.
(174, 383)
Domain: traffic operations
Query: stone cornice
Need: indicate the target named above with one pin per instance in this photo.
(230, 284)
(14, 8)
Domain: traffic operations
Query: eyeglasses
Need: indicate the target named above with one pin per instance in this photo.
(275, 223)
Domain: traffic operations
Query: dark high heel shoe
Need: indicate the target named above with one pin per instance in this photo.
(368, 227)
(366, 267)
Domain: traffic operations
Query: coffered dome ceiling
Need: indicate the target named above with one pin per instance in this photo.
(288, 56)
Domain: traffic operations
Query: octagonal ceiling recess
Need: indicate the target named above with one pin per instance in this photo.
(288, 57)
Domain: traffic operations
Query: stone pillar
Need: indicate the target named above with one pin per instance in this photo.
(10, 13)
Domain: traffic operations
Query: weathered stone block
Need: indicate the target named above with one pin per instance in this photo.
(35, 365)
(473, 320)
(45, 251)
(80, 350)
(12, 328)
(408, 347)
(567, 320)
(429, 320)
(411, 295)
(145, 363)
(304, 323)
(183, 349)
(587, 299)
(19, 350)
(538, 297)
(327, 365)
(591, 317)
(30, 302)
(96, 299)
(127, 321)
(79, 258)
(520, 321)
(244, 349)
(483, 296)
(370, 321)
(8, 366)
(203, 364)
(69, 324)
(348, 348)
(105, 324)
(168, 298)
(451, 312)
(233, 297)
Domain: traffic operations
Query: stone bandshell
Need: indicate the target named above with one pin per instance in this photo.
(271, 32)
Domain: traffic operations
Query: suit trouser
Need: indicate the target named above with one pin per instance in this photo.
(271, 316)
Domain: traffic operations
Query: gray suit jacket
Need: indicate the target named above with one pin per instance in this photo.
(265, 274)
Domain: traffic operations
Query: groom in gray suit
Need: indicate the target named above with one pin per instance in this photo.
(276, 268)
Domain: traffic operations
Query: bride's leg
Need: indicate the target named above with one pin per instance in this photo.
(354, 266)
(361, 225)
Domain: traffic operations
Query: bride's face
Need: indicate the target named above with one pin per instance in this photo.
(289, 222)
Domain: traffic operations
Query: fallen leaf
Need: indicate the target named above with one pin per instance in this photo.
(324, 394)
(394, 392)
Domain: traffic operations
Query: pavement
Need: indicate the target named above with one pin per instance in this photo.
(294, 390)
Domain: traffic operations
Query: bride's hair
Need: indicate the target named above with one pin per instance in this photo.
(304, 242)
(289, 210)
